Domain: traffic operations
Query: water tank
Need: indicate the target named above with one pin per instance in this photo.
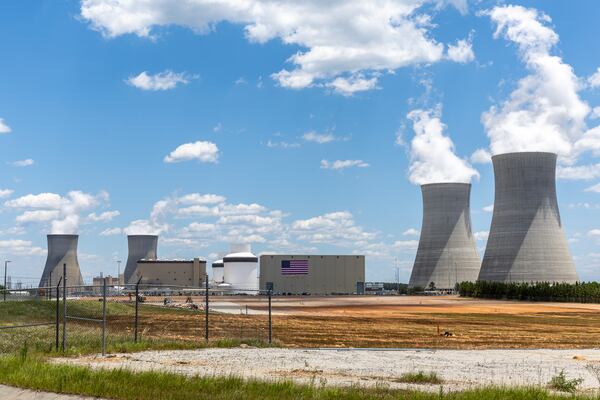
(241, 272)
(218, 271)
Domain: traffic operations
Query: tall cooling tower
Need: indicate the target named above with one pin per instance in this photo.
(62, 249)
(140, 247)
(526, 241)
(447, 252)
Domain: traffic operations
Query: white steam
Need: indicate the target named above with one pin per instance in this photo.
(432, 157)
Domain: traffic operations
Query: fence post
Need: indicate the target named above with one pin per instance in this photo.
(64, 337)
(137, 294)
(57, 311)
(270, 320)
(104, 317)
(206, 307)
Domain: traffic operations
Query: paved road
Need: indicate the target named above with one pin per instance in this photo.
(11, 393)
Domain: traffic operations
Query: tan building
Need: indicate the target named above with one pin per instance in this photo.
(312, 274)
(190, 273)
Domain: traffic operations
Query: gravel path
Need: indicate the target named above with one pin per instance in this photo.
(12, 393)
(460, 369)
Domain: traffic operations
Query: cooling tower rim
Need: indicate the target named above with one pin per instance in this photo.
(218, 264)
(142, 236)
(446, 184)
(62, 235)
(523, 154)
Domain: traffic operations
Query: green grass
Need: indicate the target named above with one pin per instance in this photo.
(561, 383)
(35, 373)
(420, 377)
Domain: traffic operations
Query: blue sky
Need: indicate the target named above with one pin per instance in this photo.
(297, 120)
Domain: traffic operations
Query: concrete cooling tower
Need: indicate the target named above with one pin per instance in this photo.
(526, 241)
(62, 249)
(447, 252)
(140, 247)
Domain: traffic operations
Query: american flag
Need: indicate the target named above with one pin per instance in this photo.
(294, 267)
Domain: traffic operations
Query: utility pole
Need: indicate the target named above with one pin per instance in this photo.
(5, 269)
(397, 274)
(118, 277)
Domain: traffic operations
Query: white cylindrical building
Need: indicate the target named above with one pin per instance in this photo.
(218, 271)
(241, 272)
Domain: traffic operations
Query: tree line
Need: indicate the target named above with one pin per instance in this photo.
(580, 292)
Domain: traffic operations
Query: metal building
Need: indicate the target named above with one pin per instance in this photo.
(447, 253)
(62, 249)
(312, 274)
(526, 241)
(188, 273)
(140, 247)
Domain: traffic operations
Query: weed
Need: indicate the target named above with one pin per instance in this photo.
(561, 383)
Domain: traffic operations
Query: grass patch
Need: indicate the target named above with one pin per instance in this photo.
(420, 378)
(33, 372)
(561, 383)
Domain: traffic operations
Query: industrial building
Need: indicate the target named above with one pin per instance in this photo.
(139, 247)
(62, 249)
(312, 274)
(526, 241)
(447, 253)
(190, 273)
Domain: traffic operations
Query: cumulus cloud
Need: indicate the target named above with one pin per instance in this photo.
(5, 193)
(545, 111)
(103, 217)
(582, 172)
(481, 156)
(594, 188)
(162, 81)
(481, 235)
(23, 163)
(411, 232)
(337, 228)
(20, 248)
(344, 45)
(111, 232)
(594, 80)
(432, 157)
(4, 128)
(206, 152)
(63, 212)
(339, 165)
(461, 52)
(489, 208)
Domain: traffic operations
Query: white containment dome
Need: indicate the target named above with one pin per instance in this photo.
(241, 272)
(218, 271)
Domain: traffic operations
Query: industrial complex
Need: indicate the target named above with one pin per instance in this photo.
(526, 244)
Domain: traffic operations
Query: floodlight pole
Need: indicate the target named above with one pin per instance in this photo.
(5, 269)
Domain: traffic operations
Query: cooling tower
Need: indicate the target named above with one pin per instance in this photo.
(526, 241)
(62, 249)
(447, 252)
(141, 247)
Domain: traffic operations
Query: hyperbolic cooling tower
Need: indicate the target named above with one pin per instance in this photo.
(62, 249)
(526, 241)
(140, 247)
(447, 252)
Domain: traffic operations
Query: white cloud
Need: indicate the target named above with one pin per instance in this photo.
(481, 156)
(595, 188)
(23, 163)
(481, 235)
(162, 81)
(20, 248)
(105, 216)
(343, 44)
(594, 79)
(583, 172)
(595, 113)
(339, 165)
(432, 157)
(283, 145)
(320, 138)
(336, 228)
(5, 193)
(196, 198)
(544, 112)
(594, 232)
(461, 52)
(489, 208)
(411, 232)
(4, 128)
(62, 211)
(111, 232)
(206, 152)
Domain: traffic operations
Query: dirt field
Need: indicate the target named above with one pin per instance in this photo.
(403, 322)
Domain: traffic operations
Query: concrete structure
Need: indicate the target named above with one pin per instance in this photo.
(447, 253)
(315, 274)
(62, 249)
(189, 273)
(526, 241)
(218, 270)
(241, 271)
(140, 247)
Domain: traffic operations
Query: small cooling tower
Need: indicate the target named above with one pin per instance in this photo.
(218, 271)
(526, 241)
(241, 270)
(447, 253)
(141, 247)
(62, 249)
